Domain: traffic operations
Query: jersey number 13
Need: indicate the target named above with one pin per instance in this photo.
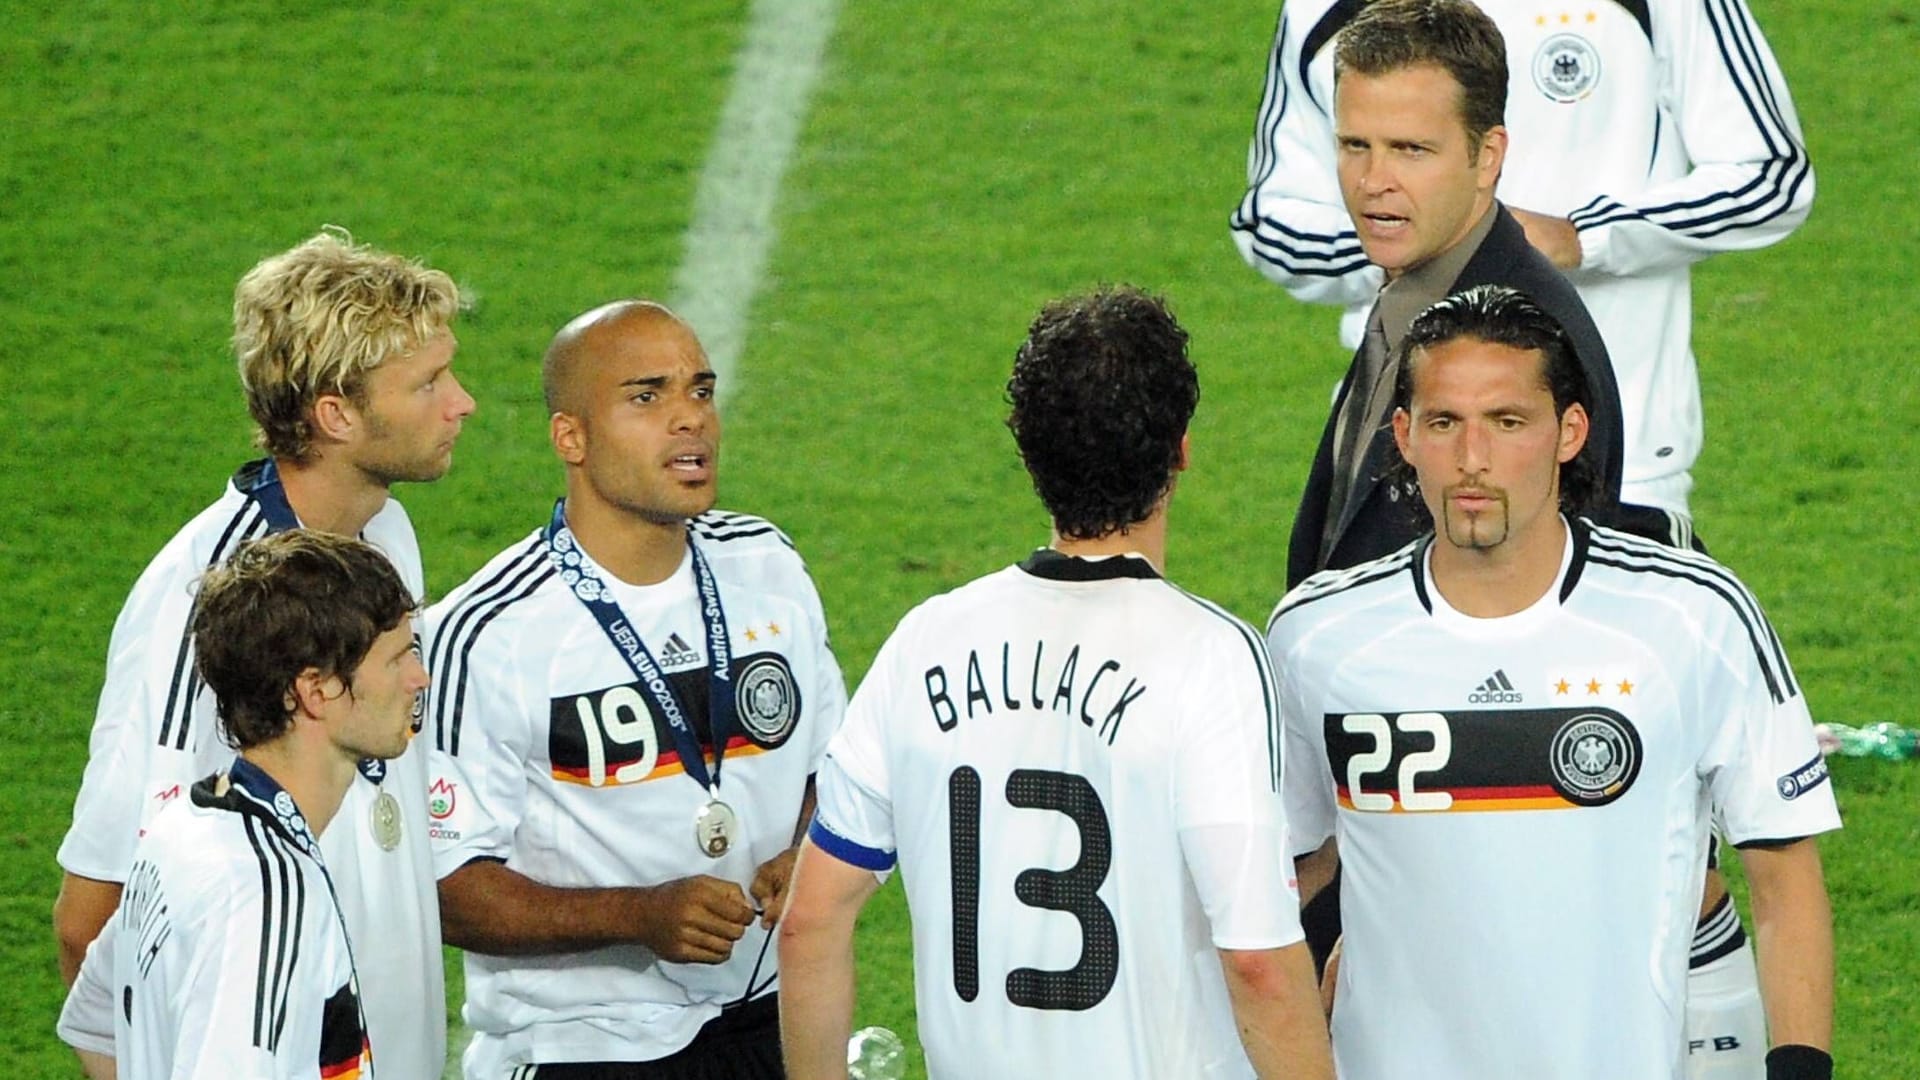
(1073, 890)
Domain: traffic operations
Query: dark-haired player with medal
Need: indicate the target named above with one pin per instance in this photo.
(345, 354)
(627, 710)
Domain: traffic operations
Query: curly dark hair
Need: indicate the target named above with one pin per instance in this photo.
(1102, 391)
(1502, 316)
(281, 605)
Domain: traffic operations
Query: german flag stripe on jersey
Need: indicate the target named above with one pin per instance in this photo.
(1468, 760)
(344, 1050)
(667, 764)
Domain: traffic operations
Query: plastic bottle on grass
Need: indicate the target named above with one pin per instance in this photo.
(1885, 739)
(874, 1053)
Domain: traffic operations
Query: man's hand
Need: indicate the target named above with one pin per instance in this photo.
(694, 920)
(770, 886)
(1555, 237)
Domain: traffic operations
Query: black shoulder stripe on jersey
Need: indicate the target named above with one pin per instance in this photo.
(1269, 693)
(283, 890)
(723, 525)
(1740, 596)
(1759, 634)
(451, 707)
(502, 582)
(1354, 577)
(247, 523)
(1322, 35)
(480, 599)
(1581, 530)
(721, 537)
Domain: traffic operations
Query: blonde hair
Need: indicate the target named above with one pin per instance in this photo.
(316, 319)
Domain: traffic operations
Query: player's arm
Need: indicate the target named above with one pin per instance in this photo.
(1751, 183)
(79, 913)
(1793, 937)
(816, 958)
(1278, 1011)
(487, 908)
(482, 740)
(1291, 224)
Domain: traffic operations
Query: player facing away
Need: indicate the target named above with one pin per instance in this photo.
(231, 957)
(1076, 766)
(628, 709)
(345, 354)
(1514, 735)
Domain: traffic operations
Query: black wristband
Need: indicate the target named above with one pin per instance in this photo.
(1796, 1062)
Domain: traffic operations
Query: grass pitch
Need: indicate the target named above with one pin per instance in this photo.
(962, 164)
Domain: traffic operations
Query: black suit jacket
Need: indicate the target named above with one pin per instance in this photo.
(1381, 518)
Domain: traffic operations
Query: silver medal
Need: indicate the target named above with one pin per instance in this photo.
(384, 820)
(715, 828)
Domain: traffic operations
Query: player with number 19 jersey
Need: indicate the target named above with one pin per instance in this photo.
(1522, 803)
(1077, 767)
(548, 756)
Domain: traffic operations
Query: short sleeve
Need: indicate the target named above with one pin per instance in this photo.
(1306, 786)
(476, 763)
(1763, 767)
(829, 686)
(1226, 797)
(854, 822)
(86, 1017)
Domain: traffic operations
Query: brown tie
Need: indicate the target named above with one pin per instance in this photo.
(1359, 418)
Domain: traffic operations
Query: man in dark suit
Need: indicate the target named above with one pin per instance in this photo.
(1419, 98)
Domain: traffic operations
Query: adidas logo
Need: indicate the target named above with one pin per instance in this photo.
(1497, 690)
(676, 653)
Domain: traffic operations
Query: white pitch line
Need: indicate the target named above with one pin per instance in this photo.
(732, 233)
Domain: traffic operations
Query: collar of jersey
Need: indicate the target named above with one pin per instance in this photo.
(1058, 566)
(1572, 561)
(251, 791)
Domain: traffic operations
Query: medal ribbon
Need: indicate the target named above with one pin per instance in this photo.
(260, 480)
(571, 564)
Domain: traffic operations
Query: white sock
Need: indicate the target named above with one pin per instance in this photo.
(1726, 1025)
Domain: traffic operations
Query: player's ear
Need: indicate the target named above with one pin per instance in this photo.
(334, 418)
(1185, 459)
(312, 690)
(569, 437)
(1402, 428)
(1573, 432)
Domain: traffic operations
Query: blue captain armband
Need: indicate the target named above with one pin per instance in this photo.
(847, 851)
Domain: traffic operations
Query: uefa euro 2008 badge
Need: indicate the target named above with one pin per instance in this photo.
(1566, 68)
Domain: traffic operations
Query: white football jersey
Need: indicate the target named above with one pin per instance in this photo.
(1078, 767)
(548, 754)
(156, 733)
(1522, 804)
(230, 957)
(1662, 128)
